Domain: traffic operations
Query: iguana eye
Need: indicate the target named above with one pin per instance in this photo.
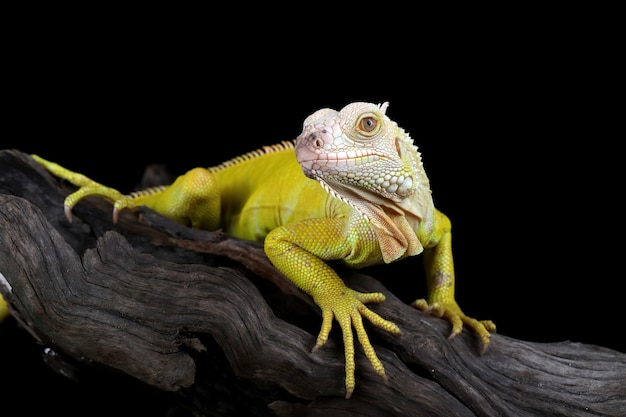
(368, 125)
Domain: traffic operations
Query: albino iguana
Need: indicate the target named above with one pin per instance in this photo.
(351, 187)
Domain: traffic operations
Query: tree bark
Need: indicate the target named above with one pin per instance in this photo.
(165, 304)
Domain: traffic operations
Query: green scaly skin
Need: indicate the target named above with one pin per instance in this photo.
(358, 215)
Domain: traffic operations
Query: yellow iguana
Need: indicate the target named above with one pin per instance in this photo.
(351, 187)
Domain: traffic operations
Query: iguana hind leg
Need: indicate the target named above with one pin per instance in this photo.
(87, 186)
(193, 199)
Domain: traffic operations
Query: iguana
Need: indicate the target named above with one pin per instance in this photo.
(351, 187)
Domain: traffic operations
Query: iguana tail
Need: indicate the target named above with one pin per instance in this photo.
(4, 309)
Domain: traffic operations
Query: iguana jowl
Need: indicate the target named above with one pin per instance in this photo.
(374, 206)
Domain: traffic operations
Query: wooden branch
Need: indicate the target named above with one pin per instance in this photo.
(149, 298)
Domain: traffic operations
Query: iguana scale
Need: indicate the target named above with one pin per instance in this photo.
(351, 187)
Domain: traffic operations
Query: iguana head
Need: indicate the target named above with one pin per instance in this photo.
(360, 148)
(361, 156)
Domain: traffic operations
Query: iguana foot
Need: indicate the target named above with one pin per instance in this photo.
(348, 309)
(453, 313)
(87, 187)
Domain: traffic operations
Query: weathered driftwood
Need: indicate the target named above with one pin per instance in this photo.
(154, 300)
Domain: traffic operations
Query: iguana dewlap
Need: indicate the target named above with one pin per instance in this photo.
(353, 189)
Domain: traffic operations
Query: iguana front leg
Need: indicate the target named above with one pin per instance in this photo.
(299, 250)
(193, 199)
(439, 268)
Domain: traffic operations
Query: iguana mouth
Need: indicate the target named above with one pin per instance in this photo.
(312, 161)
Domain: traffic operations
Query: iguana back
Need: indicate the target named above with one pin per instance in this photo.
(265, 189)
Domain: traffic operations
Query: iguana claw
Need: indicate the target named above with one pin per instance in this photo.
(68, 213)
(451, 312)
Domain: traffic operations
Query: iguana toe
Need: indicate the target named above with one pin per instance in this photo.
(68, 212)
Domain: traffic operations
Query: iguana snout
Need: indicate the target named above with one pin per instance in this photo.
(309, 147)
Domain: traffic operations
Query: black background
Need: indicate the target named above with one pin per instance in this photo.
(519, 136)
